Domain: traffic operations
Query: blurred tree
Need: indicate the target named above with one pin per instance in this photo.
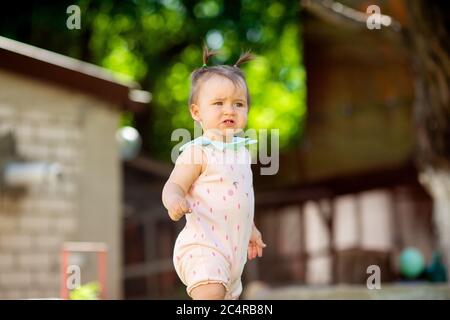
(430, 49)
(427, 40)
(158, 43)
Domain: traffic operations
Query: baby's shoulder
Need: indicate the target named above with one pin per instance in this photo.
(191, 153)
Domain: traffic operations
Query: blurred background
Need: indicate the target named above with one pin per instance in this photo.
(90, 92)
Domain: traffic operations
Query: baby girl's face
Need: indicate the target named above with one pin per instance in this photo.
(221, 107)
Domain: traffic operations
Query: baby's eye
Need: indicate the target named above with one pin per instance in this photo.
(219, 103)
(239, 104)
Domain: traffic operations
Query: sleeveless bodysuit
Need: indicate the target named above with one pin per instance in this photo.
(212, 247)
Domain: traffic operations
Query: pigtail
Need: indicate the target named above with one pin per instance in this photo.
(247, 56)
(207, 54)
(234, 73)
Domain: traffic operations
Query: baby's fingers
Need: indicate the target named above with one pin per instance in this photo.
(254, 252)
(174, 212)
(259, 250)
(250, 252)
(185, 207)
(260, 243)
(177, 211)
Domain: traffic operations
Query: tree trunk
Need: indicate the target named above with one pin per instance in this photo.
(438, 185)
(429, 36)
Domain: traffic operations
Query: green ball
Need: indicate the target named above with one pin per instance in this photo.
(412, 263)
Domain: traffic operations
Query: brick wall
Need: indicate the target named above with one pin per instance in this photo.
(48, 123)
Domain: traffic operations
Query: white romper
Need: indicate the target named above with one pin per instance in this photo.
(212, 247)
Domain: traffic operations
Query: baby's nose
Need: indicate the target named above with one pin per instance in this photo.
(229, 108)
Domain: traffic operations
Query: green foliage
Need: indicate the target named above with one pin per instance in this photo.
(276, 79)
(158, 43)
(88, 291)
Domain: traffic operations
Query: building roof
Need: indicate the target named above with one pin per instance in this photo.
(49, 66)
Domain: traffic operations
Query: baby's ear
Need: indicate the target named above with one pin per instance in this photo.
(194, 109)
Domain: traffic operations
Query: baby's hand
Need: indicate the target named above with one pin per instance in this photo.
(256, 245)
(178, 208)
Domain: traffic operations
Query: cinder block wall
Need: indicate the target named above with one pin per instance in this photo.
(54, 124)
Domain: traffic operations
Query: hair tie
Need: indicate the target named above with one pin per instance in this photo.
(204, 65)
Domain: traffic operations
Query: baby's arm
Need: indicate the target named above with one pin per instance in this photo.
(185, 172)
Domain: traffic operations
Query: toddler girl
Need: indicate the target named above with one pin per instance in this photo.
(211, 185)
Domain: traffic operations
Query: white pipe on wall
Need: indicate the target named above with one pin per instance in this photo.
(29, 174)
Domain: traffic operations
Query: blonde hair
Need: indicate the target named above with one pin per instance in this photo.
(234, 73)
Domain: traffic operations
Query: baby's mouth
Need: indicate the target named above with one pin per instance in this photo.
(228, 122)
